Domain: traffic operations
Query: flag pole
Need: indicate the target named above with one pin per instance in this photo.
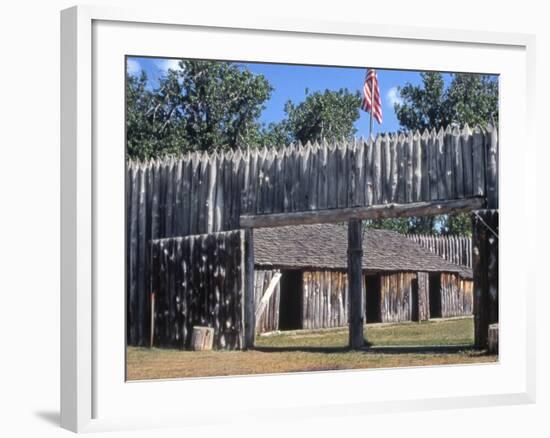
(371, 104)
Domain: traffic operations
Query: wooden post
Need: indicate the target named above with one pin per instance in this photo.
(485, 271)
(202, 338)
(152, 334)
(355, 284)
(249, 311)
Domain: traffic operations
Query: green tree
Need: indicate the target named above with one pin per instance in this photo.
(200, 106)
(469, 98)
(330, 115)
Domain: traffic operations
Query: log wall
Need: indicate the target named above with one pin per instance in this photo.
(204, 193)
(324, 299)
(269, 321)
(396, 296)
(455, 249)
(456, 296)
(485, 269)
(198, 281)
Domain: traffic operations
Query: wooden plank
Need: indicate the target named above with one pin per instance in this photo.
(260, 309)
(491, 146)
(458, 167)
(386, 168)
(211, 193)
(478, 154)
(369, 185)
(322, 187)
(466, 141)
(342, 175)
(409, 168)
(449, 165)
(428, 208)
(417, 167)
(425, 166)
(441, 170)
(433, 165)
(355, 279)
(394, 168)
(377, 171)
(249, 311)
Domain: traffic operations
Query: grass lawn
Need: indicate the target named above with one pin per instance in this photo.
(392, 345)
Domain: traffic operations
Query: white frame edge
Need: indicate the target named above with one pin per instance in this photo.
(77, 197)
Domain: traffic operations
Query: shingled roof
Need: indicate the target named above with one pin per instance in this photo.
(325, 246)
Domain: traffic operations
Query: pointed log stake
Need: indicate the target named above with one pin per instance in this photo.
(152, 320)
(355, 254)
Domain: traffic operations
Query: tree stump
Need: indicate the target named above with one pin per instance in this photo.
(202, 338)
(492, 339)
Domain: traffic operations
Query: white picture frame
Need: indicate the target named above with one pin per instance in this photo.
(93, 388)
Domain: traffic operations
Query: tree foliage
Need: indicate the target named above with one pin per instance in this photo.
(469, 98)
(200, 106)
(329, 115)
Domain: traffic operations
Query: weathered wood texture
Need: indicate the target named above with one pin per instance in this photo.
(396, 296)
(269, 319)
(204, 193)
(382, 211)
(423, 279)
(455, 249)
(198, 281)
(456, 296)
(485, 271)
(202, 338)
(492, 340)
(355, 284)
(324, 299)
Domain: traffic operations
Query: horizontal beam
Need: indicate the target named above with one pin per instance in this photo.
(382, 211)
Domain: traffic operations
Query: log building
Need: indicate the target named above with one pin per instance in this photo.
(306, 268)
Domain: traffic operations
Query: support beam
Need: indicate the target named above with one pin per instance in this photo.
(485, 272)
(249, 311)
(382, 211)
(355, 284)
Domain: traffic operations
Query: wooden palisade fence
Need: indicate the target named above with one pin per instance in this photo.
(392, 175)
(198, 281)
(455, 249)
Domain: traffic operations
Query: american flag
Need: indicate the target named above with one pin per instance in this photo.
(371, 83)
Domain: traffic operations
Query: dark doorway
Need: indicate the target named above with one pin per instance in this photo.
(414, 299)
(290, 308)
(435, 296)
(372, 289)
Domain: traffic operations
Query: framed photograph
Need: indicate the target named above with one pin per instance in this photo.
(308, 210)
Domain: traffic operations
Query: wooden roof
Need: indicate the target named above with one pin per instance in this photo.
(325, 246)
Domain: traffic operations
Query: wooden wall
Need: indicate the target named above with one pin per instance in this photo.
(485, 269)
(269, 321)
(198, 280)
(456, 296)
(204, 193)
(324, 299)
(396, 296)
(455, 249)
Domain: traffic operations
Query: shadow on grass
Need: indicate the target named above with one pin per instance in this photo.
(428, 349)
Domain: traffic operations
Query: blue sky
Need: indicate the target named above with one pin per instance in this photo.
(290, 82)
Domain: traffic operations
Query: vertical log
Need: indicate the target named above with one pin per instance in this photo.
(377, 171)
(481, 317)
(393, 169)
(491, 146)
(249, 310)
(355, 253)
